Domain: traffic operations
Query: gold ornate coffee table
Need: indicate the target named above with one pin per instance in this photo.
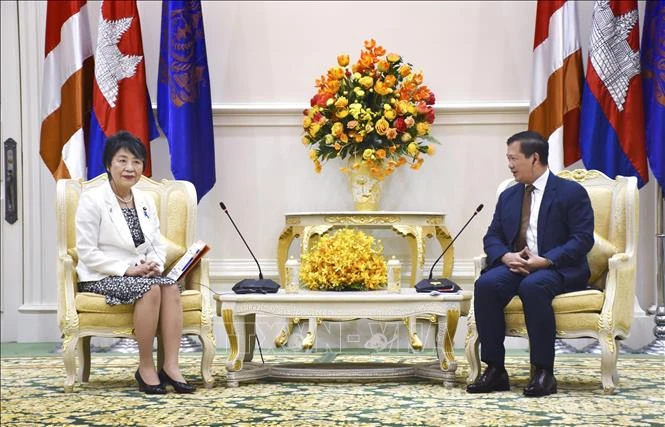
(238, 313)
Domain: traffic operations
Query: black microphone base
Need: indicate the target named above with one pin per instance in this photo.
(256, 286)
(439, 285)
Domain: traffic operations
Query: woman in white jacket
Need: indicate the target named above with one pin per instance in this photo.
(121, 256)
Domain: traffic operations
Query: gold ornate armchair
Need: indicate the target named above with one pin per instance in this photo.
(82, 315)
(606, 312)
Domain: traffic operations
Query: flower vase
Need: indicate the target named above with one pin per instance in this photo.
(365, 188)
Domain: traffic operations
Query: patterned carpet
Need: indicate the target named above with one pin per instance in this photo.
(31, 394)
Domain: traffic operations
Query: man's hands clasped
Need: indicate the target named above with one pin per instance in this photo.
(524, 261)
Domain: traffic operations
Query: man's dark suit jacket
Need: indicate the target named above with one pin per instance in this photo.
(565, 228)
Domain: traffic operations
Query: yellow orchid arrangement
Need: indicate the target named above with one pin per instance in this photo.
(347, 260)
(376, 110)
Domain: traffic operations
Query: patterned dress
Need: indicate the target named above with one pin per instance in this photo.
(126, 289)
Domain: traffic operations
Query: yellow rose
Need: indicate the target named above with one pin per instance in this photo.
(343, 60)
(314, 129)
(367, 154)
(329, 139)
(422, 128)
(383, 66)
(354, 109)
(412, 149)
(341, 102)
(366, 82)
(336, 73)
(317, 166)
(430, 150)
(393, 57)
(342, 113)
(404, 70)
(390, 114)
(390, 80)
(305, 140)
(381, 88)
(382, 126)
(306, 122)
(337, 146)
(337, 129)
(402, 107)
(313, 155)
(406, 137)
(359, 92)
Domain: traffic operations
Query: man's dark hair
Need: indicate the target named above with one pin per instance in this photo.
(532, 142)
(120, 140)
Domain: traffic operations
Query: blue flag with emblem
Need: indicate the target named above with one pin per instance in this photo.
(184, 109)
(653, 75)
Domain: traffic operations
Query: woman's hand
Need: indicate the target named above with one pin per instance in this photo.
(144, 269)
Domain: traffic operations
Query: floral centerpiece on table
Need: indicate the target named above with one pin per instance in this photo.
(347, 260)
(377, 111)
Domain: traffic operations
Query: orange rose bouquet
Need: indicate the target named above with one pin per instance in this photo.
(376, 111)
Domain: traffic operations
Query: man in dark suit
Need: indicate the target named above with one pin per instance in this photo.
(536, 248)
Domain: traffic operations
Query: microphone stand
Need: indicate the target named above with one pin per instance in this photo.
(446, 284)
(259, 283)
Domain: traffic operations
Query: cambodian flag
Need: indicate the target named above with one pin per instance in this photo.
(184, 108)
(120, 99)
(653, 73)
(612, 122)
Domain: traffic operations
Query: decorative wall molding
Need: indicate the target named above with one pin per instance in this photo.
(290, 115)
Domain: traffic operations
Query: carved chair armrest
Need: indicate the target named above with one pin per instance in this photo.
(67, 288)
(619, 291)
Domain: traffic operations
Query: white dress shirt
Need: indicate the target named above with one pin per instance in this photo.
(536, 197)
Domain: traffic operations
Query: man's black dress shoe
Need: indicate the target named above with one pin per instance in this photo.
(542, 384)
(149, 388)
(493, 379)
(177, 385)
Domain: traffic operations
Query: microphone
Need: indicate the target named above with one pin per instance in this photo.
(444, 284)
(259, 285)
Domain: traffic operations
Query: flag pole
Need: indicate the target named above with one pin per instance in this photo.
(657, 346)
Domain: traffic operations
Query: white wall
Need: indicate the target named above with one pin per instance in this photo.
(264, 58)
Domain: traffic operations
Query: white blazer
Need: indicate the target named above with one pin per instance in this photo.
(103, 241)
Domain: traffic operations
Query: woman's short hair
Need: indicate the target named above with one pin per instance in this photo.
(120, 140)
(532, 142)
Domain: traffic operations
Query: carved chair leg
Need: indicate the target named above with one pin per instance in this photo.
(208, 344)
(608, 365)
(471, 350)
(69, 358)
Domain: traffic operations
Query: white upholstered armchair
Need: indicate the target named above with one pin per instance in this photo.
(605, 311)
(82, 315)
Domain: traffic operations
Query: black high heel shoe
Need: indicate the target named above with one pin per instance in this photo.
(149, 388)
(177, 385)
